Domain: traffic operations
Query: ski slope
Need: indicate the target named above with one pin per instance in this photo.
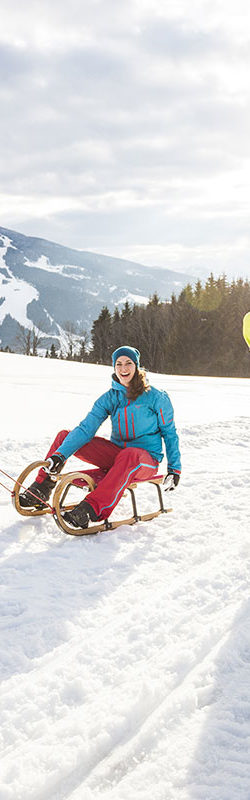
(125, 657)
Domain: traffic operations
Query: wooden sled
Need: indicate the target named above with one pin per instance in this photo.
(64, 482)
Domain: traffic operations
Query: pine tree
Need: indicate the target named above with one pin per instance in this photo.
(102, 338)
(82, 354)
(116, 335)
(53, 353)
(126, 322)
(197, 294)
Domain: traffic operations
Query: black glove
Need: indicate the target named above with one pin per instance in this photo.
(171, 481)
(55, 464)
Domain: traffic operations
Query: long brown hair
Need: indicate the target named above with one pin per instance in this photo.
(137, 385)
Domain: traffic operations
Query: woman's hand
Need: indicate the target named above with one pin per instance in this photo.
(55, 464)
(171, 481)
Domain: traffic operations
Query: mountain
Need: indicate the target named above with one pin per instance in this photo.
(46, 286)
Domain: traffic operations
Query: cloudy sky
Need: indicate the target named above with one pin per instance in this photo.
(125, 128)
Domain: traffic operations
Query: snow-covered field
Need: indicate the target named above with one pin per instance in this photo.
(125, 657)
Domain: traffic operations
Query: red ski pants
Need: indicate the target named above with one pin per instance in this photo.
(117, 469)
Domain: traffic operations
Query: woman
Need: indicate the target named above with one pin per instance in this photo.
(141, 417)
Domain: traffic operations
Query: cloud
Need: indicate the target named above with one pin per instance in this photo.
(176, 40)
(126, 126)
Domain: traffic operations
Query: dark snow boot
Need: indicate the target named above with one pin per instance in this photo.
(80, 515)
(41, 490)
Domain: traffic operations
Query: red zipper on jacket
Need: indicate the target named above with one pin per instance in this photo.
(133, 424)
(126, 419)
(126, 424)
(119, 423)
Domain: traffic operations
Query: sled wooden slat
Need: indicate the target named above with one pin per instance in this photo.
(157, 481)
(94, 529)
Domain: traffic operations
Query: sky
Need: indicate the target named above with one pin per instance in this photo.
(125, 129)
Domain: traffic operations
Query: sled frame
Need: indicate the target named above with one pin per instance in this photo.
(63, 482)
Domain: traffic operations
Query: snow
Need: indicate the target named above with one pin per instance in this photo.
(125, 657)
(44, 263)
(133, 298)
(17, 293)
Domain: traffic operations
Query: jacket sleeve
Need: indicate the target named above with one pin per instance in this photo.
(165, 413)
(84, 432)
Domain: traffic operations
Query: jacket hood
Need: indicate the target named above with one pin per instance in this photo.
(118, 386)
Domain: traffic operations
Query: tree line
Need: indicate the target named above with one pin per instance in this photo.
(198, 333)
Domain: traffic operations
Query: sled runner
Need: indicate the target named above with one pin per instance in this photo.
(64, 483)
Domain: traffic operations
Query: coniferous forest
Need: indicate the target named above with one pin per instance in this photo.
(200, 333)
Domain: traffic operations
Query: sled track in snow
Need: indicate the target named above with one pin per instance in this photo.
(124, 755)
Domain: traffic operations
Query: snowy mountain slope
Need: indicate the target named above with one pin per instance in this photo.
(46, 285)
(125, 657)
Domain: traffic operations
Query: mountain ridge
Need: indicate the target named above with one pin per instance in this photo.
(47, 285)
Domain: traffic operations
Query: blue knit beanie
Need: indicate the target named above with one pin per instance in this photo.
(131, 352)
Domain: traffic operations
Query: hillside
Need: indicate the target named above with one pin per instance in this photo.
(46, 285)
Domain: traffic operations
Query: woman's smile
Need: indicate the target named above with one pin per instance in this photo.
(125, 370)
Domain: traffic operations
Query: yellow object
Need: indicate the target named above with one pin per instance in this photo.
(246, 328)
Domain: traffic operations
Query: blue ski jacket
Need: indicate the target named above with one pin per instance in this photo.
(143, 422)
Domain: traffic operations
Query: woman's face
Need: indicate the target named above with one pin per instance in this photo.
(125, 369)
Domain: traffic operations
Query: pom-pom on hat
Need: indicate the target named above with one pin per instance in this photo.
(131, 352)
